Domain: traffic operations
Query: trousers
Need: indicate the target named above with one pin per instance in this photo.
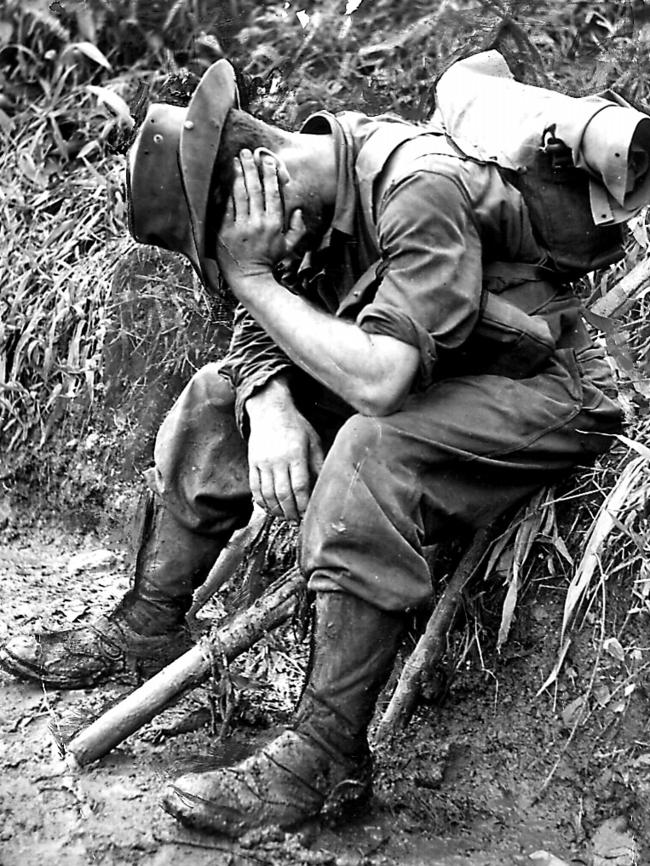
(452, 458)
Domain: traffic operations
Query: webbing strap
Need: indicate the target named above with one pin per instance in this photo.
(516, 272)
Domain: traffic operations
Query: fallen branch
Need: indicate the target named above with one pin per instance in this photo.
(431, 646)
(226, 641)
(229, 560)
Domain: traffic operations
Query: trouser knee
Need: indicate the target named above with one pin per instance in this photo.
(362, 531)
(201, 468)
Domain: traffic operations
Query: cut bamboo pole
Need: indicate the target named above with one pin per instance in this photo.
(229, 560)
(226, 641)
(431, 646)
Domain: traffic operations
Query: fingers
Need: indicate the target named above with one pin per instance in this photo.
(272, 198)
(296, 231)
(272, 490)
(316, 455)
(252, 183)
(263, 490)
(255, 483)
(223, 248)
(239, 193)
(229, 211)
(300, 486)
(227, 223)
(284, 494)
(277, 493)
(252, 195)
(283, 489)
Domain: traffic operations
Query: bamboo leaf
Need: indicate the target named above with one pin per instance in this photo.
(508, 610)
(6, 123)
(556, 668)
(114, 101)
(534, 516)
(89, 50)
(6, 32)
(618, 499)
(613, 647)
(635, 445)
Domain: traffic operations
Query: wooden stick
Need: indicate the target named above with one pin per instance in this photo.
(228, 561)
(227, 641)
(620, 298)
(431, 646)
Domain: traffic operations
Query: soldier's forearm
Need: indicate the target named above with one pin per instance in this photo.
(371, 372)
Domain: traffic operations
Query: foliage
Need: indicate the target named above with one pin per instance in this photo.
(68, 70)
(63, 110)
(61, 222)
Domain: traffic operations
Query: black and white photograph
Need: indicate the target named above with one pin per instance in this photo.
(324, 433)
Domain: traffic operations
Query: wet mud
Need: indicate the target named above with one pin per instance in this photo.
(463, 786)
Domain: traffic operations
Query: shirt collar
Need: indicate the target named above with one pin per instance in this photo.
(324, 123)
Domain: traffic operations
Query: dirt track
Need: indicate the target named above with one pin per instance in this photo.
(459, 790)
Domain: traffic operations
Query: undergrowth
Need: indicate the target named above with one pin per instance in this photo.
(70, 83)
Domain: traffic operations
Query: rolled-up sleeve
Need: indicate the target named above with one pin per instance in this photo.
(253, 358)
(430, 292)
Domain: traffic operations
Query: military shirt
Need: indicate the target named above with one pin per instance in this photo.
(409, 262)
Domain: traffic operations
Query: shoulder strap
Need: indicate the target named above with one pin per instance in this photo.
(379, 155)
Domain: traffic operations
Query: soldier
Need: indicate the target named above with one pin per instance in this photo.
(408, 361)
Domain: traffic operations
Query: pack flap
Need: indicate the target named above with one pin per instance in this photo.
(494, 118)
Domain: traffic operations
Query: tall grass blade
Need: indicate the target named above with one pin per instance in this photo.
(620, 498)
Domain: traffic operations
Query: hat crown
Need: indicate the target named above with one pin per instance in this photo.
(158, 208)
(170, 168)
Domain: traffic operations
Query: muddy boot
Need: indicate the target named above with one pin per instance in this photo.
(323, 765)
(147, 629)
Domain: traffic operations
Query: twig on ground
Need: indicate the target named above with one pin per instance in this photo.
(229, 560)
(431, 645)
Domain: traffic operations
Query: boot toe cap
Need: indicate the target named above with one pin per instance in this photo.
(89, 654)
(23, 656)
(52, 658)
(201, 801)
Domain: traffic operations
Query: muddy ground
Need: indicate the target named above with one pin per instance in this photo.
(467, 785)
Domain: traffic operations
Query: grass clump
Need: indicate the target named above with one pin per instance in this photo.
(62, 223)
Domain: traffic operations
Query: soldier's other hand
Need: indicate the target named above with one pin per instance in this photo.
(284, 457)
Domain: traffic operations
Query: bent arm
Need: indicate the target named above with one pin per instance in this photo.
(372, 372)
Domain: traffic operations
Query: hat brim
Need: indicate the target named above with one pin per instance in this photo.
(158, 208)
(200, 138)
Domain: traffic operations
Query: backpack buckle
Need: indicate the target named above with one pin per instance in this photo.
(556, 149)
